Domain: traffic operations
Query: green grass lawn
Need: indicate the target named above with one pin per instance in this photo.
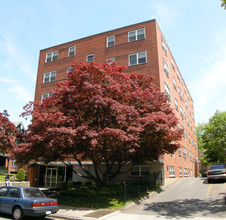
(88, 197)
(101, 202)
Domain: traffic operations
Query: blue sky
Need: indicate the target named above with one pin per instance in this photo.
(194, 30)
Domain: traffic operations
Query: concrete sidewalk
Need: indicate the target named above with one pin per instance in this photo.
(66, 212)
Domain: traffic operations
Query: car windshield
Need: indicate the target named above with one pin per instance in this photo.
(33, 193)
(217, 167)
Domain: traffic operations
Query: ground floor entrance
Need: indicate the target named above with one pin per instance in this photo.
(53, 176)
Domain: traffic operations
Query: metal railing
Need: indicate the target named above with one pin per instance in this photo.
(141, 185)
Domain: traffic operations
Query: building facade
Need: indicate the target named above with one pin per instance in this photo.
(143, 48)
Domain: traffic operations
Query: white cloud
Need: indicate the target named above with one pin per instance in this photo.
(166, 13)
(15, 61)
(20, 93)
(208, 89)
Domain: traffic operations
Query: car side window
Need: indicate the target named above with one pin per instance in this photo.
(3, 191)
(13, 192)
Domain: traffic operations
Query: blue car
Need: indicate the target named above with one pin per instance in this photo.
(26, 201)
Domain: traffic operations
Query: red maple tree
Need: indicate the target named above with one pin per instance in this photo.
(103, 115)
(8, 132)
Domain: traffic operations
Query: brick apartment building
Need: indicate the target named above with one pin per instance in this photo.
(143, 48)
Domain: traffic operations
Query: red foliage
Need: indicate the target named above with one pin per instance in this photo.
(100, 114)
(7, 131)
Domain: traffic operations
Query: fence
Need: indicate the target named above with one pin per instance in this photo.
(141, 185)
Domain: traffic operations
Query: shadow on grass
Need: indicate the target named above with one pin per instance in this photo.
(100, 202)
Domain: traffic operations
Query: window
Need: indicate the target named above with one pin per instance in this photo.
(137, 58)
(182, 128)
(179, 152)
(49, 77)
(140, 170)
(185, 172)
(176, 104)
(190, 156)
(186, 104)
(13, 192)
(90, 58)
(178, 76)
(173, 65)
(3, 191)
(110, 60)
(167, 91)
(110, 41)
(136, 35)
(174, 84)
(145, 171)
(13, 164)
(51, 56)
(69, 69)
(135, 171)
(164, 46)
(184, 152)
(71, 51)
(46, 96)
(180, 172)
(165, 68)
(181, 113)
(172, 171)
(180, 93)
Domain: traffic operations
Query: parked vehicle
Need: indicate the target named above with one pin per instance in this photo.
(216, 172)
(26, 201)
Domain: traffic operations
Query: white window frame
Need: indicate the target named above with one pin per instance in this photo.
(46, 95)
(69, 69)
(174, 84)
(179, 152)
(87, 58)
(181, 113)
(110, 60)
(176, 104)
(71, 51)
(164, 47)
(136, 35)
(180, 94)
(171, 171)
(184, 152)
(167, 92)
(109, 42)
(185, 172)
(139, 172)
(165, 68)
(139, 56)
(52, 55)
(13, 164)
(180, 172)
(50, 78)
(178, 76)
(173, 64)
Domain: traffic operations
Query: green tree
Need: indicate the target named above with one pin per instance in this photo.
(199, 132)
(223, 4)
(214, 138)
(21, 175)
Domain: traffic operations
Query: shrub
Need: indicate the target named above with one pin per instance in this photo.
(21, 175)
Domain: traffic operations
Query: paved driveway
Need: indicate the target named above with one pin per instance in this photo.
(190, 198)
